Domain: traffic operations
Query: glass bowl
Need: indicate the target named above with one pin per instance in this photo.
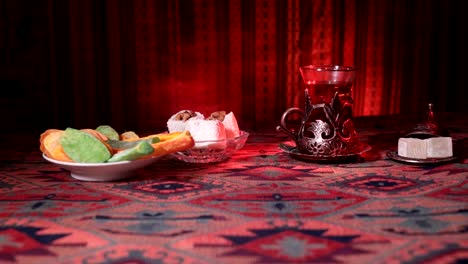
(210, 151)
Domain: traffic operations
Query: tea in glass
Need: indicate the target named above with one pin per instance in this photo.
(323, 81)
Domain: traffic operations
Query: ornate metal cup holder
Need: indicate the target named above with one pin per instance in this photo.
(326, 129)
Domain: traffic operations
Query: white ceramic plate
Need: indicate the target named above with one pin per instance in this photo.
(111, 171)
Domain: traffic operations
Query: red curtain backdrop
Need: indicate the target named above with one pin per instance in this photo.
(132, 64)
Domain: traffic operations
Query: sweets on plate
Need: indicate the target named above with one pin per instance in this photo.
(84, 147)
(218, 127)
(412, 148)
(50, 145)
(91, 146)
(173, 143)
(108, 131)
(178, 121)
(232, 128)
(433, 147)
(427, 140)
(439, 147)
(207, 133)
(229, 121)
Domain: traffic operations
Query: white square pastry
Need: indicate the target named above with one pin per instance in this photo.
(203, 130)
(231, 126)
(412, 148)
(175, 125)
(439, 147)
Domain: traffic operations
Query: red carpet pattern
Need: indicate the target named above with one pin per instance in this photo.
(260, 206)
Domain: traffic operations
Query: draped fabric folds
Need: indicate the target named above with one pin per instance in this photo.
(134, 63)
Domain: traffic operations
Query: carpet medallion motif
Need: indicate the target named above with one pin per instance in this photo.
(271, 200)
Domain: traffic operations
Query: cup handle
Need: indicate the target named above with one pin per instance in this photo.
(284, 128)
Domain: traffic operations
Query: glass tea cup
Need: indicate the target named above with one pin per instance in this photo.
(323, 81)
(326, 128)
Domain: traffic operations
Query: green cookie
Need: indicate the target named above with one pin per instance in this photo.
(121, 144)
(141, 149)
(83, 147)
(108, 131)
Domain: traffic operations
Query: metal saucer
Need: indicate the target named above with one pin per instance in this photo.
(294, 152)
(393, 155)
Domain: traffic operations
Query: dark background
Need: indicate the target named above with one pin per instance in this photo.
(46, 81)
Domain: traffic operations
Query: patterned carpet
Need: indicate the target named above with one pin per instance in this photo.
(260, 206)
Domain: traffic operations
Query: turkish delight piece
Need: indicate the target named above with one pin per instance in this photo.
(229, 121)
(207, 133)
(232, 128)
(178, 121)
(439, 147)
(412, 148)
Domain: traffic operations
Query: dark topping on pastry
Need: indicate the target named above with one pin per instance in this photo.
(218, 115)
(185, 115)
